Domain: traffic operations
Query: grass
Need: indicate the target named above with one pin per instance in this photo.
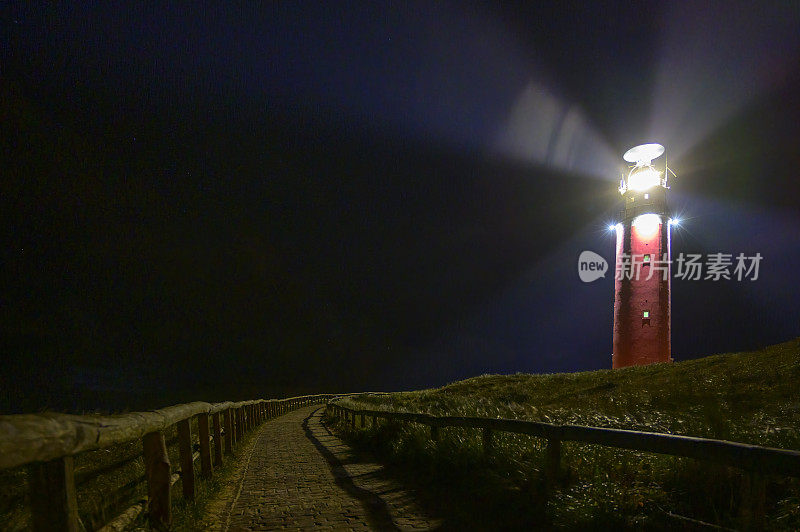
(751, 397)
(194, 516)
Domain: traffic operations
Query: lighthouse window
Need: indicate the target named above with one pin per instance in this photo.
(646, 314)
(647, 196)
(647, 257)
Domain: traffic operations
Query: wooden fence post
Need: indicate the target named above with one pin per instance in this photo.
(352, 420)
(487, 441)
(751, 506)
(553, 460)
(234, 428)
(363, 420)
(239, 420)
(217, 439)
(54, 503)
(205, 447)
(157, 473)
(187, 464)
(228, 431)
(232, 412)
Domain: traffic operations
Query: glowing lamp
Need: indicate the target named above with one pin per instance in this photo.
(644, 178)
(647, 224)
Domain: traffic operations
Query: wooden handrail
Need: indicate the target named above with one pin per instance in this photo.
(26, 438)
(755, 460)
(740, 455)
(47, 443)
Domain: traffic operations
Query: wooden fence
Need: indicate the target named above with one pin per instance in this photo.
(754, 460)
(47, 444)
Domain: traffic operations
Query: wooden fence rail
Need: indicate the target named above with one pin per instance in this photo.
(755, 460)
(47, 444)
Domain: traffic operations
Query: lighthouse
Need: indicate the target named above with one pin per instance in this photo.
(643, 259)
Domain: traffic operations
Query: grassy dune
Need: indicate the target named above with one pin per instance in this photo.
(751, 397)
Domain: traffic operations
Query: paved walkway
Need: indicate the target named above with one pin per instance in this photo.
(300, 476)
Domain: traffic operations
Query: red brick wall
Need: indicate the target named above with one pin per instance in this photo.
(637, 341)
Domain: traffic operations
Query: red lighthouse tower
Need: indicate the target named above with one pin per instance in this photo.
(642, 281)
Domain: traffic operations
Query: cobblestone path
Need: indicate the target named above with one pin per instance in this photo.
(300, 476)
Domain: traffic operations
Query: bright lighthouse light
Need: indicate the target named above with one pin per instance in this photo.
(644, 178)
(612, 227)
(646, 224)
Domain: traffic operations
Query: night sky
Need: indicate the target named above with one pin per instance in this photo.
(224, 201)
